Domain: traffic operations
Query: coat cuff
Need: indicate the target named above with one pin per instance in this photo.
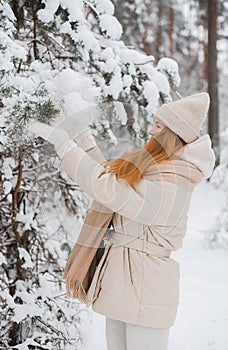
(85, 140)
(65, 147)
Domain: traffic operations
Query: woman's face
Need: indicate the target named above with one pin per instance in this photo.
(158, 126)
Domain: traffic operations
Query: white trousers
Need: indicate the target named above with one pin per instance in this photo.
(126, 336)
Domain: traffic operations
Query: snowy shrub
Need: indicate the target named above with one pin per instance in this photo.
(218, 233)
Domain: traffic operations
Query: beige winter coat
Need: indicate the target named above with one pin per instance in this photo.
(136, 280)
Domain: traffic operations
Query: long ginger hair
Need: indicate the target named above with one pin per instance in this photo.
(131, 166)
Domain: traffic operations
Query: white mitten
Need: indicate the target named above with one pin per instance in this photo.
(59, 138)
(76, 126)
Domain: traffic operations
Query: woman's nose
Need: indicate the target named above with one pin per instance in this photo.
(151, 131)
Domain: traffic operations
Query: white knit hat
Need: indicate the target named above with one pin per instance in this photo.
(185, 116)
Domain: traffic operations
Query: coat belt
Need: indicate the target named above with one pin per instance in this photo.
(142, 244)
(121, 239)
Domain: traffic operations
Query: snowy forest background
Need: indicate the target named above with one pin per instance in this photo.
(58, 56)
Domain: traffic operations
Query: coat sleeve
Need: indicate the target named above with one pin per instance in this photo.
(84, 142)
(112, 193)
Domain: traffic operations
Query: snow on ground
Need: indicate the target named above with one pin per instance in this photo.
(202, 318)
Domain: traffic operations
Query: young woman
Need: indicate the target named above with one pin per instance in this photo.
(149, 191)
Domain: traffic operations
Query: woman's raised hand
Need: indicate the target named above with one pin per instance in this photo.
(59, 138)
(67, 130)
(76, 126)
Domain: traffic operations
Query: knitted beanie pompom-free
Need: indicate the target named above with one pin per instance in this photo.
(185, 116)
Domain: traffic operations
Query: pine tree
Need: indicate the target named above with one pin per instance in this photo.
(34, 311)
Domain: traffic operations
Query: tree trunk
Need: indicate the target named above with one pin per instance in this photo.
(35, 47)
(148, 27)
(18, 10)
(213, 122)
(171, 23)
(203, 20)
(189, 37)
(159, 30)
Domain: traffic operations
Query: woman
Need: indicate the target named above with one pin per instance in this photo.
(136, 284)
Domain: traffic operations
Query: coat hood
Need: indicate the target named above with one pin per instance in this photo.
(201, 154)
(189, 165)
